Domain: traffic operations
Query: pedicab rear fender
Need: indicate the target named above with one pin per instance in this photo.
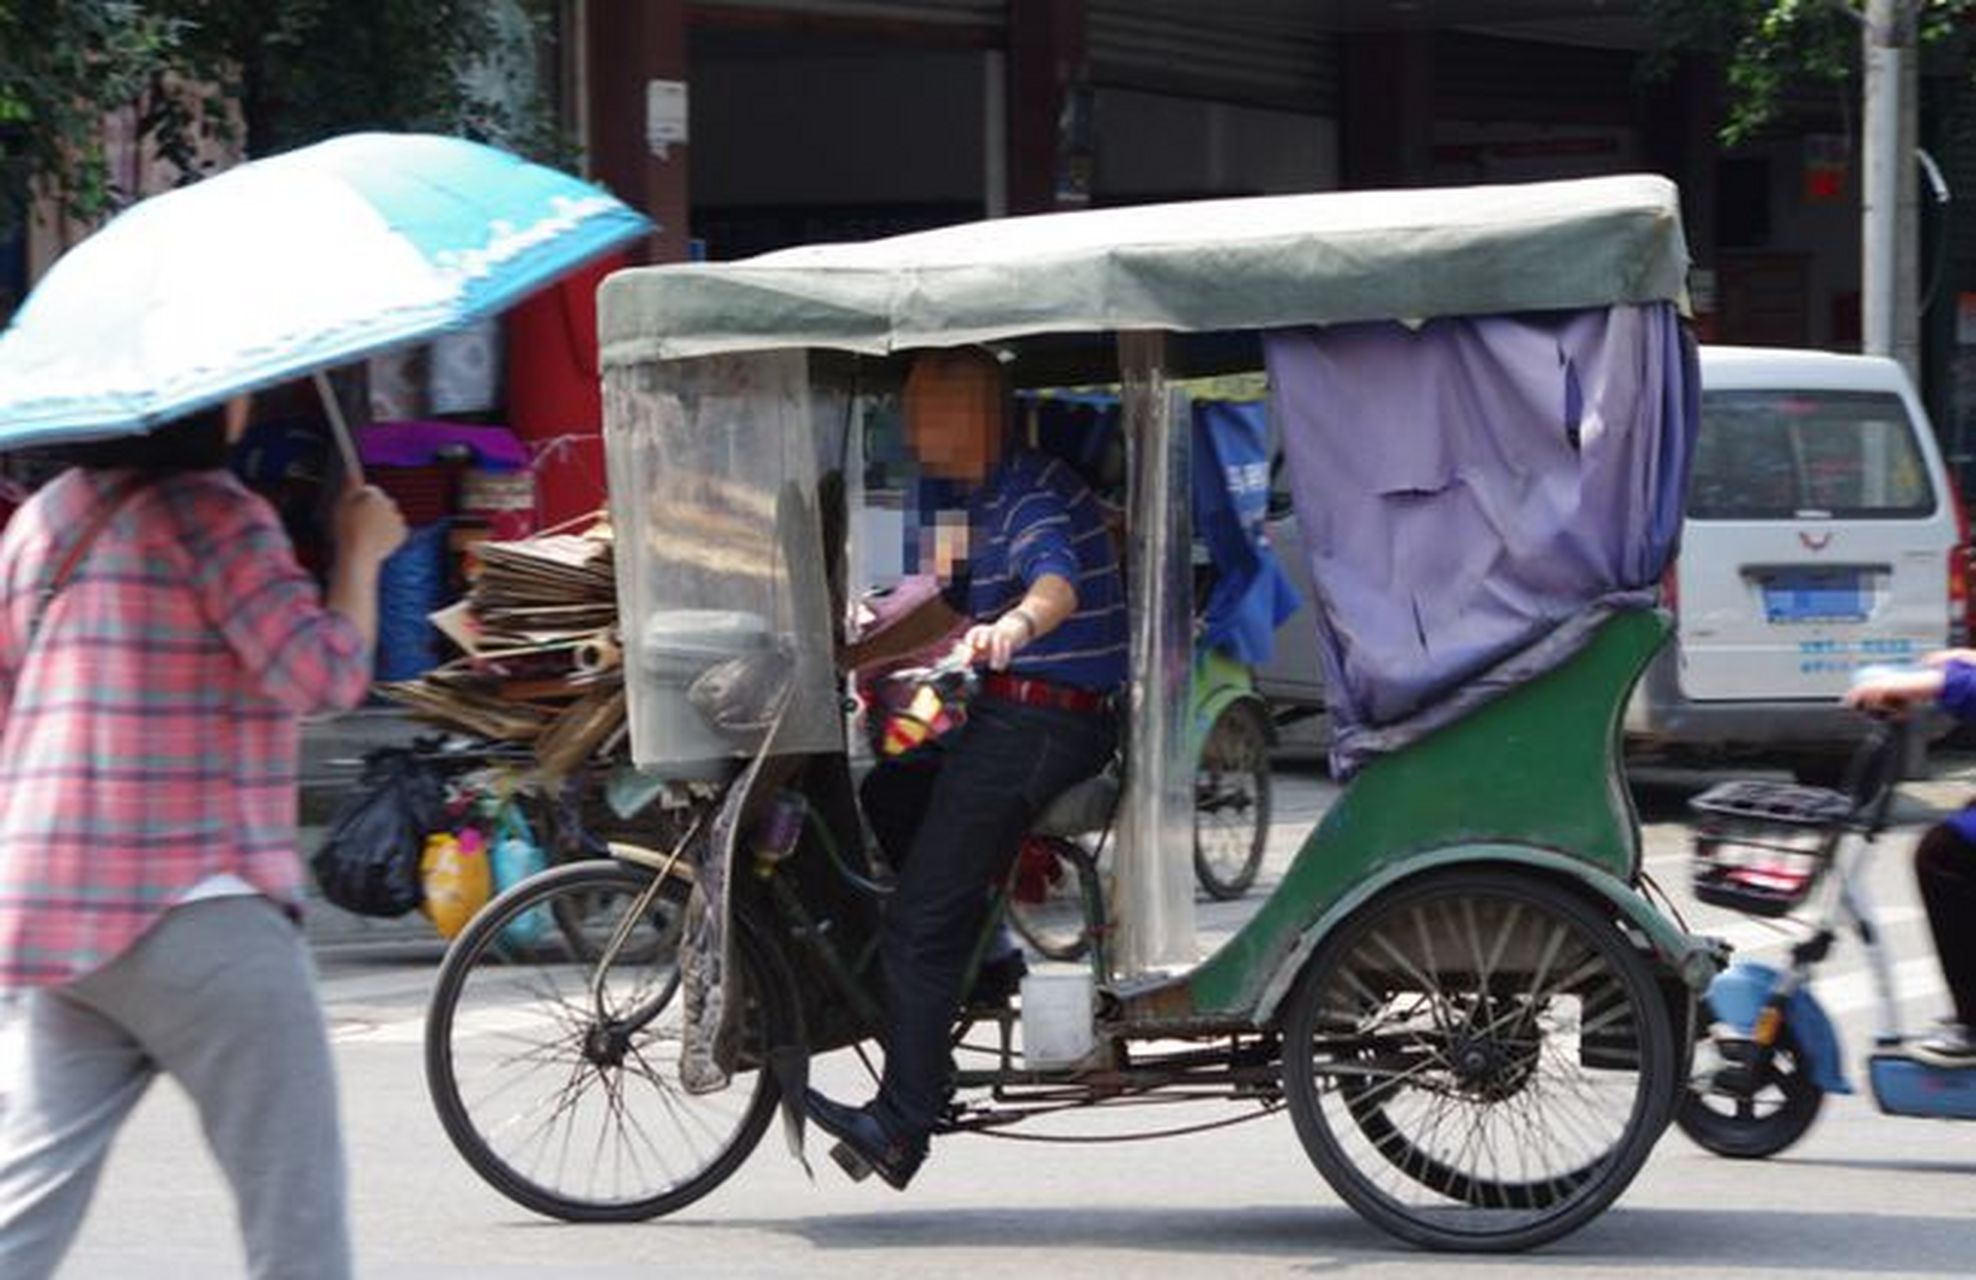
(1530, 780)
(1690, 959)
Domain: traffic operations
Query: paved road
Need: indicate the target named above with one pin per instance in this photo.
(1862, 1196)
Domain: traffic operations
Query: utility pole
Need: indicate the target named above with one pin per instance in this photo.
(1888, 323)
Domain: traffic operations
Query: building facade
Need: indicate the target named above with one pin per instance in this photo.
(810, 120)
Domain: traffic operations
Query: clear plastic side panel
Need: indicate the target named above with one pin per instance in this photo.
(723, 599)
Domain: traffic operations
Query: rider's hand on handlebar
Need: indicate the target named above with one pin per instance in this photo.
(996, 642)
(1895, 693)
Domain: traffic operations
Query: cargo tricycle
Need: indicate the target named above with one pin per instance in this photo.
(1458, 988)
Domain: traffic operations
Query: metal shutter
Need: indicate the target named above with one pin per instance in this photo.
(1266, 52)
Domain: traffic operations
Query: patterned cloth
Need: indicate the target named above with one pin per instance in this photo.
(1031, 517)
(149, 737)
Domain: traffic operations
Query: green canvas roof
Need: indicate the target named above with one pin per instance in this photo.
(1254, 263)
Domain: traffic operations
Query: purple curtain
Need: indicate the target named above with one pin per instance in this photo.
(1465, 487)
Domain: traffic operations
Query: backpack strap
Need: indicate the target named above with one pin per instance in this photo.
(106, 510)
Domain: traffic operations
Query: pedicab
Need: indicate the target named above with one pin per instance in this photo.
(1459, 988)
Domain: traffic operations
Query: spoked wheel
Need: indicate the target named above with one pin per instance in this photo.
(1231, 802)
(556, 1072)
(1046, 895)
(1479, 1061)
(1743, 1111)
(588, 917)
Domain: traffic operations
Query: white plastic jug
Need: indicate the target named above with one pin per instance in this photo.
(1056, 1018)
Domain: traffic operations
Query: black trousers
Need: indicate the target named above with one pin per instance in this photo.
(951, 815)
(1945, 868)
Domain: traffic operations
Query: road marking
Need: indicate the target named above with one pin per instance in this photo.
(377, 986)
(1753, 935)
(478, 1024)
(1852, 992)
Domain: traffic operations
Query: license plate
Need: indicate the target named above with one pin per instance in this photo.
(1814, 595)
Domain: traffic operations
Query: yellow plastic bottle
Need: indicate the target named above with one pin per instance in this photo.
(456, 877)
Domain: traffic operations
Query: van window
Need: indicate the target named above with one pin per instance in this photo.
(1778, 454)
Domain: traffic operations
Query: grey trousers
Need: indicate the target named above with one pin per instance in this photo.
(219, 994)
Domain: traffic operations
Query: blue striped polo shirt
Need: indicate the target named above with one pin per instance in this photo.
(1032, 517)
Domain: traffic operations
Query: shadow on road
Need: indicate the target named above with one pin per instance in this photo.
(1822, 1240)
(1662, 794)
(1879, 1166)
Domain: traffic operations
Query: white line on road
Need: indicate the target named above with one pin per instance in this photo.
(1748, 935)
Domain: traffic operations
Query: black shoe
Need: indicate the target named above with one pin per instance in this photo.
(997, 980)
(863, 1145)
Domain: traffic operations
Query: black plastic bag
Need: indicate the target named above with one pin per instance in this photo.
(369, 859)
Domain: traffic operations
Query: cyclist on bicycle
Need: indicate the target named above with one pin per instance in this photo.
(1039, 580)
(1945, 860)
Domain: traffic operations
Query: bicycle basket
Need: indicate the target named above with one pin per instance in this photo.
(1761, 847)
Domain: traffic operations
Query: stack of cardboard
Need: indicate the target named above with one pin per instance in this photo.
(539, 658)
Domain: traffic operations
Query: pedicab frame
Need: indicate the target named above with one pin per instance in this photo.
(1453, 807)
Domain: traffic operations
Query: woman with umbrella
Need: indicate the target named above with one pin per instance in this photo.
(158, 646)
(149, 701)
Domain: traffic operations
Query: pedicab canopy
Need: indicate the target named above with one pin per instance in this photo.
(1484, 395)
(1475, 388)
(1201, 266)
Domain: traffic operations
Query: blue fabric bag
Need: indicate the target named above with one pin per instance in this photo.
(1252, 596)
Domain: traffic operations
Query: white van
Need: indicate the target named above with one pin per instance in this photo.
(1822, 535)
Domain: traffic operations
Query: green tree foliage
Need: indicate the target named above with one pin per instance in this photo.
(1769, 47)
(280, 73)
(62, 65)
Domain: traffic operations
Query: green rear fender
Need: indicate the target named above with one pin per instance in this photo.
(1689, 958)
(1532, 778)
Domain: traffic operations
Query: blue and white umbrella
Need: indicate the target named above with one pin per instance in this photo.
(286, 266)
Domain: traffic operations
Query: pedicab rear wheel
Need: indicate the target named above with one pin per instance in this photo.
(559, 1083)
(1478, 1061)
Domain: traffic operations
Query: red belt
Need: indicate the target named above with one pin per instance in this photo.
(1042, 693)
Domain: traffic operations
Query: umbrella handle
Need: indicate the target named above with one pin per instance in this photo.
(339, 427)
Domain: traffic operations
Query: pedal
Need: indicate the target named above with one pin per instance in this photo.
(855, 1166)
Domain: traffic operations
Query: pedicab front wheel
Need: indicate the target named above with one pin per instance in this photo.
(1479, 1061)
(552, 1049)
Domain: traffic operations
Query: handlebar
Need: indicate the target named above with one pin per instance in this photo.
(958, 662)
(1874, 770)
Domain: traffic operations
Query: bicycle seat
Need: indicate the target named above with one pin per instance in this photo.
(1087, 806)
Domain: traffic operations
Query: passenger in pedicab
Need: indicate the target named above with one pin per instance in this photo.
(1039, 580)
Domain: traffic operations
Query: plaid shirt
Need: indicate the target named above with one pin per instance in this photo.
(149, 736)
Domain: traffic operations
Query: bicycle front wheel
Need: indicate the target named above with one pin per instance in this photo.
(1746, 1112)
(1048, 896)
(1231, 802)
(554, 1064)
